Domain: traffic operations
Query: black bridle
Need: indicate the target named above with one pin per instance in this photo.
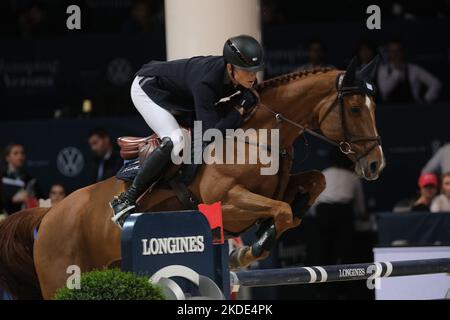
(345, 145)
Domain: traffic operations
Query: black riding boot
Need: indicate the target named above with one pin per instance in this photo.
(153, 166)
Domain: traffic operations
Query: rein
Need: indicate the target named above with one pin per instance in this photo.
(345, 145)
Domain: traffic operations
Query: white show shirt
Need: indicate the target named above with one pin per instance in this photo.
(389, 77)
(343, 186)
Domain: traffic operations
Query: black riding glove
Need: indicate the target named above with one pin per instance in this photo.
(247, 99)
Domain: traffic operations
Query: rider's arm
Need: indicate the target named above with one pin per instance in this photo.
(232, 120)
(204, 99)
(432, 84)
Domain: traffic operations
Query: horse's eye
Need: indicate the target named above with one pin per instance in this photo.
(355, 110)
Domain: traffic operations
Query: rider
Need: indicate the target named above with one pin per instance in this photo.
(188, 85)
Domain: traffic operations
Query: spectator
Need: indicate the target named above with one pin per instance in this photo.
(57, 193)
(402, 82)
(440, 162)
(19, 188)
(34, 21)
(316, 54)
(365, 52)
(271, 13)
(143, 17)
(108, 160)
(442, 202)
(428, 184)
(336, 208)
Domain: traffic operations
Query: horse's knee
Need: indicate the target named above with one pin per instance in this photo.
(317, 184)
(282, 209)
(321, 182)
(301, 204)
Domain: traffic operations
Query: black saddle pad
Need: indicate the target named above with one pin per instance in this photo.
(129, 170)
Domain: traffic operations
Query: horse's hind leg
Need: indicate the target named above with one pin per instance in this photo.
(58, 246)
(55, 275)
(57, 252)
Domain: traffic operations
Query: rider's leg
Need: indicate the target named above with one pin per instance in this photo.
(161, 121)
(167, 128)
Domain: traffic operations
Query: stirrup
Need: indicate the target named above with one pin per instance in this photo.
(119, 215)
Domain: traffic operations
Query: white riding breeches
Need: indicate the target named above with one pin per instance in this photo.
(161, 121)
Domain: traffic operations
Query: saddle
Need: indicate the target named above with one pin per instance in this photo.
(139, 149)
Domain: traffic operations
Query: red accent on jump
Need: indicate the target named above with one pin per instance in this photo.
(213, 213)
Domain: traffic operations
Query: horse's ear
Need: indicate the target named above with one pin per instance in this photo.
(368, 72)
(350, 73)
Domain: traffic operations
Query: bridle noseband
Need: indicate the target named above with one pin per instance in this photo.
(345, 145)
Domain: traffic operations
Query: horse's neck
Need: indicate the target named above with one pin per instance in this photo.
(298, 101)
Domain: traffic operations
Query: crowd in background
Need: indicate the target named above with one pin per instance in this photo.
(19, 190)
(27, 18)
(397, 80)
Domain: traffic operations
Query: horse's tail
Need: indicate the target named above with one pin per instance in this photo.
(17, 272)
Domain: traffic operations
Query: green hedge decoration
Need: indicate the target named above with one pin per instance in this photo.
(112, 284)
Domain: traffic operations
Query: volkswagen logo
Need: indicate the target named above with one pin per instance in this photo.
(119, 71)
(70, 161)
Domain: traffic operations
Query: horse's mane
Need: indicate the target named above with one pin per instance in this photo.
(277, 81)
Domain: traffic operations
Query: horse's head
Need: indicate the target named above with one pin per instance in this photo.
(350, 120)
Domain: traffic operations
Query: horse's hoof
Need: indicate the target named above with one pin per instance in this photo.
(242, 257)
(235, 258)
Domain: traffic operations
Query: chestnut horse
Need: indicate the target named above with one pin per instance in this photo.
(79, 231)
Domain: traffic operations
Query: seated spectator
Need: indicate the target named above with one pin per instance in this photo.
(428, 184)
(56, 194)
(403, 82)
(440, 162)
(316, 54)
(108, 160)
(19, 188)
(442, 202)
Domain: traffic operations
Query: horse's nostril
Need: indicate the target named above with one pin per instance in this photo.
(373, 166)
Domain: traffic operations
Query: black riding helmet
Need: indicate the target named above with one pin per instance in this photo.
(244, 52)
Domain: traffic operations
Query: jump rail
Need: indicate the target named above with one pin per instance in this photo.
(348, 272)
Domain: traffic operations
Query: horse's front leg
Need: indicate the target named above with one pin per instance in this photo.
(303, 189)
(243, 205)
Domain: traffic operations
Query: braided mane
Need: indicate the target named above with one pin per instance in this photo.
(275, 82)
